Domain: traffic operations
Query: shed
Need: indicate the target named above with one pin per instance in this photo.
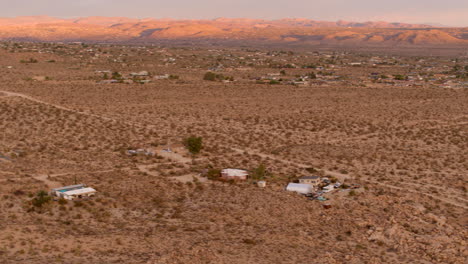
(300, 188)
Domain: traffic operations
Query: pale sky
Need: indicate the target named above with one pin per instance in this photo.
(446, 12)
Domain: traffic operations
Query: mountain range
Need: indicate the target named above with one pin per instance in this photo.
(292, 31)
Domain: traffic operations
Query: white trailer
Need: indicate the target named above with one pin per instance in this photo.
(301, 188)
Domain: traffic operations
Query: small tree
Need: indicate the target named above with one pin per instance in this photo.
(259, 173)
(194, 144)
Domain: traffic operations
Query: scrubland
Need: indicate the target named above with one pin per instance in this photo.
(405, 145)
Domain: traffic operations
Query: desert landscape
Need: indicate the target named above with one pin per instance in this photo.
(150, 126)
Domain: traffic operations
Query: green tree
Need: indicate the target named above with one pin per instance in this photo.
(194, 144)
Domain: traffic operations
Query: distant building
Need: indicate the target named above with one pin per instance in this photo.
(73, 192)
(300, 188)
(312, 180)
(234, 174)
(140, 74)
(161, 77)
(140, 152)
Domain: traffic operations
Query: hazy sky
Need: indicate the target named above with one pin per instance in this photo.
(447, 12)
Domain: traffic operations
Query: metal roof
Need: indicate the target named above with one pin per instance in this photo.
(80, 191)
(309, 177)
(235, 172)
(71, 187)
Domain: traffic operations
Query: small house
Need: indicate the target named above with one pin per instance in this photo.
(261, 184)
(234, 174)
(312, 180)
(300, 188)
(73, 192)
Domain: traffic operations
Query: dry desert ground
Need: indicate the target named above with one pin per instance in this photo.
(397, 127)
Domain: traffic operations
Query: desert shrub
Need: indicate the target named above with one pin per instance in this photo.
(116, 75)
(399, 77)
(41, 199)
(19, 192)
(31, 60)
(312, 75)
(213, 174)
(249, 241)
(209, 76)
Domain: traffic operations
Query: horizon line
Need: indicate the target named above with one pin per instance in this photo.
(434, 24)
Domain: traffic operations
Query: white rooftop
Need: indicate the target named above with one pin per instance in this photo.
(299, 188)
(80, 191)
(235, 172)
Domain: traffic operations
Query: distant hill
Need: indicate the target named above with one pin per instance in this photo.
(121, 29)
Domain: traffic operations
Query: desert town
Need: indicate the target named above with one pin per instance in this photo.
(130, 151)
